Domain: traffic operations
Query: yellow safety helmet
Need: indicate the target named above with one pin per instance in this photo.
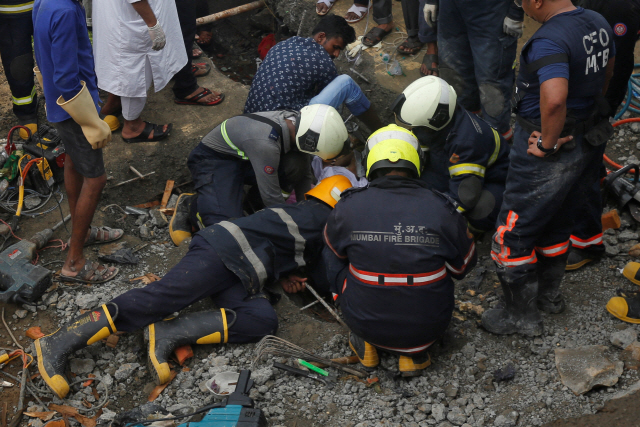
(329, 189)
(393, 147)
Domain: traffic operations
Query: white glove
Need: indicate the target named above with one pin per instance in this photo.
(512, 28)
(431, 14)
(157, 36)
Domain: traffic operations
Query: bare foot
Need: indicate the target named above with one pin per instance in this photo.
(214, 96)
(427, 72)
(321, 8)
(385, 28)
(99, 271)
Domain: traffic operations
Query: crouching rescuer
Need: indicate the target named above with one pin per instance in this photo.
(392, 250)
(230, 262)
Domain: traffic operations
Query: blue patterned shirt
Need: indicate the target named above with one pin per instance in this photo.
(293, 72)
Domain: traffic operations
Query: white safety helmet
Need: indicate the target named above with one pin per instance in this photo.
(428, 101)
(321, 131)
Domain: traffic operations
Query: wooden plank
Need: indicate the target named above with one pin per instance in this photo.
(167, 193)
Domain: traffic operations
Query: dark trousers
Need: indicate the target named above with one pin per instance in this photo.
(198, 275)
(219, 179)
(415, 23)
(382, 10)
(477, 57)
(17, 60)
(541, 200)
(185, 82)
(587, 231)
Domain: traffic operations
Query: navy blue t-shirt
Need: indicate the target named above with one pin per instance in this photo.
(293, 72)
(530, 105)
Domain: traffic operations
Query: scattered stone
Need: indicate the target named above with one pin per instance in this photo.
(145, 233)
(506, 373)
(158, 218)
(506, 419)
(107, 416)
(611, 250)
(172, 201)
(583, 368)
(627, 235)
(125, 371)
(635, 127)
(21, 314)
(451, 390)
(456, 416)
(438, 412)
(623, 338)
(87, 301)
(81, 366)
(631, 355)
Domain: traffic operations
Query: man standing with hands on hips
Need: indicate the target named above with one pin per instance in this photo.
(66, 73)
(560, 126)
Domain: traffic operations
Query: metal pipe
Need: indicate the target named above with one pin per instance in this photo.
(230, 12)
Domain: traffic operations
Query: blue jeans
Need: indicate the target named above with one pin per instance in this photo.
(477, 58)
(343, 90)
(198, 275)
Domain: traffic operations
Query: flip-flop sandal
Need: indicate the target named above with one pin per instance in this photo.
(158, 133)
(376, 34)
(411, 45)
(359, 11)
(201, 69)
(430, 58)
(328, 3)
(112, 234)
(194, 100)
(89, 273)
(204, 38)
(195, 48)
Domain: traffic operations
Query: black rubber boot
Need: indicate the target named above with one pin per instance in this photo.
(371, 119)
(521, 315)
(367, 353)
(54, 350)
(206, 327)
(180, 225)
(550, 274)
(412, 366)
(578, 258)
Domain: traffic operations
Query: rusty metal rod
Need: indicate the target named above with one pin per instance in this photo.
(230, 12)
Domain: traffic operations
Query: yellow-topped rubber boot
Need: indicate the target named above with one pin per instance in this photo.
(54, 350)
(113, 122)
(33, 127)
(626, 306)
(367, 353)
(206, 327)
(180, 225)
(412, 366)
(632, 272)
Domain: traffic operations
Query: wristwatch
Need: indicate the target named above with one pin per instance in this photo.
(546, 151)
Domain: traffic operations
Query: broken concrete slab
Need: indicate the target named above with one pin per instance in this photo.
(583, 368)
(631, 355)
(623, 338)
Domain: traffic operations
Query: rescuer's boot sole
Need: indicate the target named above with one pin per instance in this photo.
(625, 306)
(632, 272)
(578, 258)
(180, 225)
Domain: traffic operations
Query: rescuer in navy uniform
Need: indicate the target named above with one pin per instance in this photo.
(560, 129)
(392, 249)
(231, 262)
(468, 159)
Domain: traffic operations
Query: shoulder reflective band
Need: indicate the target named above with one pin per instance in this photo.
(245, 247)
(223, 130)
(16, 8)
(467, 168)
(496, 150)
(295, 233)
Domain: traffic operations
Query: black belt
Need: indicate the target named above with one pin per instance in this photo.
(571, 126)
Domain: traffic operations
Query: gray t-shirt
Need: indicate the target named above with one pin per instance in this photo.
(258, 143)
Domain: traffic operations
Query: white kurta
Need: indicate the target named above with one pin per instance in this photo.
(122, 47)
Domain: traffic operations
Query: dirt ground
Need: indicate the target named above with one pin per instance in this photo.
(167, 159)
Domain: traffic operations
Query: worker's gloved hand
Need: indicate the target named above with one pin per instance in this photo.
(431, 14)
(83, 111)
(157, 36)
(512, 27)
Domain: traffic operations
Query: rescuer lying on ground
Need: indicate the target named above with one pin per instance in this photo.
(230, 262)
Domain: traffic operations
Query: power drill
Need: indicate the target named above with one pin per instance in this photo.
(21, 281)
